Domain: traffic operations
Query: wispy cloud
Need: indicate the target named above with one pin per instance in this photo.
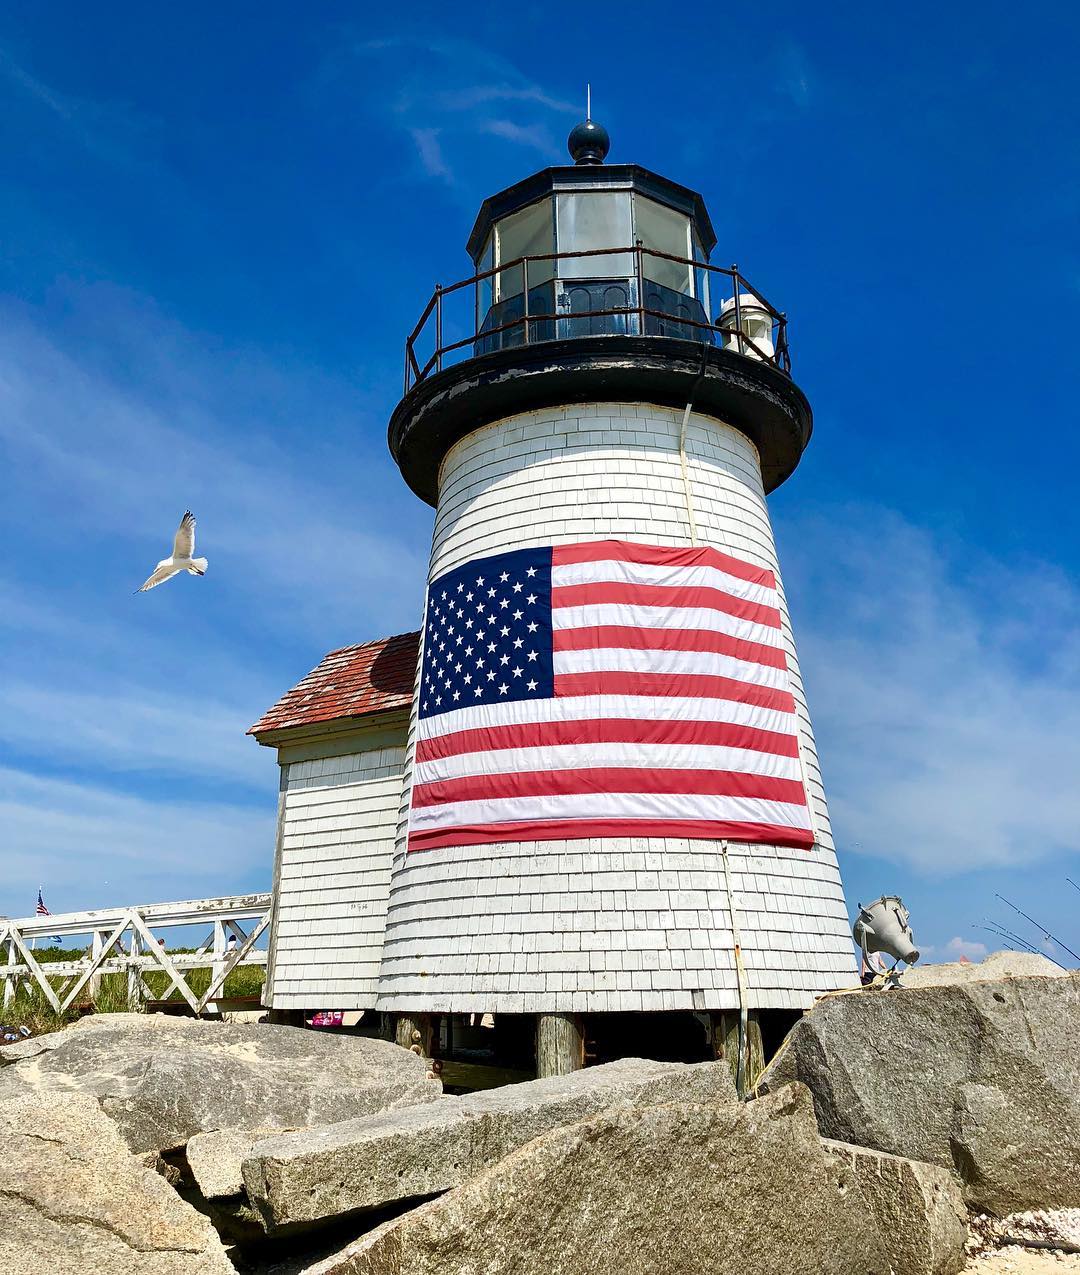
(91, 846)
(958, 947)
(440, 93)
(945, 690)
(111, 131)
(536, 136)
(430, 152)
(186, 735)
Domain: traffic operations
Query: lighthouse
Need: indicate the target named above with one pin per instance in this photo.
(613, 835)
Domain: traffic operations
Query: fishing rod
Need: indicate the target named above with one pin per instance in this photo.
(1025, 946)
(992, 927)
(1072, 883)
(1041, 928)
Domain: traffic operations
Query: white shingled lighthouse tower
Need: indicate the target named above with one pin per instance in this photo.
(613, 831)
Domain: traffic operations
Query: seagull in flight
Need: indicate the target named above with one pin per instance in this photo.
(181, 560)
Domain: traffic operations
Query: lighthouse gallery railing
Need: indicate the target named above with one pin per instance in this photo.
(441, 337)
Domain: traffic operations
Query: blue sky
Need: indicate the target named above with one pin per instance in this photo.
(217, 225)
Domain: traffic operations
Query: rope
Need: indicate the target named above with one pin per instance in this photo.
(688, 491)
(740, 974)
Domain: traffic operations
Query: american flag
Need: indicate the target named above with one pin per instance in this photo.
(606, 689)
(42, 910)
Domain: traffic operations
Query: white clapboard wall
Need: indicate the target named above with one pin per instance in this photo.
(337, 820)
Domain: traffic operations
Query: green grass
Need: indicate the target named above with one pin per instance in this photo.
(31, 1009)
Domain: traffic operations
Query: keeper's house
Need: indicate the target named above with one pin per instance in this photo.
(340, 737)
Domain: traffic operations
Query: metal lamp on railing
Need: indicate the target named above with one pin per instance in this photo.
(746, 326)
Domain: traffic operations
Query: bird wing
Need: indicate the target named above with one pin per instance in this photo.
(184, 543)
(164, 572)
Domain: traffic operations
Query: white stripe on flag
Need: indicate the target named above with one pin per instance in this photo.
(707, 663)
(634, 615)
(700, 577)
(505, 761)
(612, 805)
(578, 708)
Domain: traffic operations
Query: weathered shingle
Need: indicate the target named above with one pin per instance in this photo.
(354, 681)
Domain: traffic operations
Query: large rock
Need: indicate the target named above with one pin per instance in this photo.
(74, 1199)
(982, 1078)
(163, 1079)
(917, 1209)
(364, 1164)
(996, 965)
(675, 1189)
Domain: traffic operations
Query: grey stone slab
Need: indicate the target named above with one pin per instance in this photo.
(980, 1077)
(996, 965)
(74, 1199)
(917, 1210)
(323, 1173)
(163, 1078)
(675, 1189)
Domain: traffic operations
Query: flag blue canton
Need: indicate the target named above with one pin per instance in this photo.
(487, 635)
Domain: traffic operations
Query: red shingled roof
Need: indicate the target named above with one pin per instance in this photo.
(352, 682)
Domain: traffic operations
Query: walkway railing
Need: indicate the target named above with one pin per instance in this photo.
(123, 941)
(530, 299)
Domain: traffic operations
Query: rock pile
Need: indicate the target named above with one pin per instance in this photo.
(126, 1137)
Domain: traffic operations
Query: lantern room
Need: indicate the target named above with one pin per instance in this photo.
(591, 250)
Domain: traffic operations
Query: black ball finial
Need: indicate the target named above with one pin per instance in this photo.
(588, 143)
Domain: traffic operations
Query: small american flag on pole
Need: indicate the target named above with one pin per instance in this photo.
(42, 910)
(606, 689)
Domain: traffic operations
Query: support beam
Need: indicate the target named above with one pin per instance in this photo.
(97, 946)
(134, 978)
(10, 983)
(560, 1044)
(726, 1039)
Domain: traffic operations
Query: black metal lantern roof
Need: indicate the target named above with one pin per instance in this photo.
(583, 177)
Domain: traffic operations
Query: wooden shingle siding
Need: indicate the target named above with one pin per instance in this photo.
(339, 816)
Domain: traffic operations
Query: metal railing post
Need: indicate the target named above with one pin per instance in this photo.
(438, 327)
(738, 306)
(640, 267)
(525, 296)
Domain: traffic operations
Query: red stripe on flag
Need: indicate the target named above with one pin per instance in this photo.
(609, 779)
(571, 829)
(653, 556)
(599, 636)
(606, 730)
(694, 685)
(663, 595)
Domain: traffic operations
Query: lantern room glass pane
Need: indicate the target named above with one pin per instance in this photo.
(485, 261)
(588, 220)
(528, 233)
(667, 231)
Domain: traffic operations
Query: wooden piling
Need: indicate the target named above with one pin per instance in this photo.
(560, 1044)
(415, 1032)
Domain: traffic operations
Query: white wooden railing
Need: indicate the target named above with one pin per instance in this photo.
(122, 941)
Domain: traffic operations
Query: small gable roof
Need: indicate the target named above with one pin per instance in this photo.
(355, 681)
